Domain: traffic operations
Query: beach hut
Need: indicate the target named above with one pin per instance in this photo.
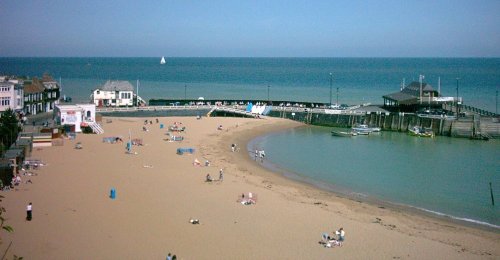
(42, 139)
(24, 144)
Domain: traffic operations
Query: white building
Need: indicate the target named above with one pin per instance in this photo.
(11, 94)
(75, 116)
(114, 94)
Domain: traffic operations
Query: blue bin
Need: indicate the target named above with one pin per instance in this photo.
(112, 194)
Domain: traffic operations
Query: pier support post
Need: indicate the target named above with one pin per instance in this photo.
(491, 194)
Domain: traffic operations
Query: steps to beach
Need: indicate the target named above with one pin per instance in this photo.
(96, 127)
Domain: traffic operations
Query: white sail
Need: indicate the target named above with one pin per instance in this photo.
(163, 60)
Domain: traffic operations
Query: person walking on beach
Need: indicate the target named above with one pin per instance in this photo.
(28, 212)
(256, 154)
(221, 175)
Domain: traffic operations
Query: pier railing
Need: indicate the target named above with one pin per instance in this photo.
(149, 108)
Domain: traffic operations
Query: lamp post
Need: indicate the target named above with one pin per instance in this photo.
(421, 78)
(331, 81)
(456, 103)
(337, 96)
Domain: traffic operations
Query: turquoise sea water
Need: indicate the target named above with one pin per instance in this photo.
(441, 175)
(360, 80)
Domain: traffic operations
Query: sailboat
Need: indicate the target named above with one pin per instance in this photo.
(162, 61)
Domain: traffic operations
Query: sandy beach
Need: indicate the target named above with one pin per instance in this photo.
(158, 192)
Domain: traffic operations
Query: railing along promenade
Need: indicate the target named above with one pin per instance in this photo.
(150, 108)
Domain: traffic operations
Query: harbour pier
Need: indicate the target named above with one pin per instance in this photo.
(472, 123)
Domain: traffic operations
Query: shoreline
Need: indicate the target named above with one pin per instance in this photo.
(75, 218)
(415, 214)
(362, 197)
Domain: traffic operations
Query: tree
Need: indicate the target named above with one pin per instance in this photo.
(9, 127)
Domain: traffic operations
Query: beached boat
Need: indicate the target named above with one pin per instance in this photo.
(421, 132)
(343, 134)
(162, 61)
(365, 129)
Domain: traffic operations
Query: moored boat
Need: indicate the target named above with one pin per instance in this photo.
(365, 129)
(343, 133)
(421, 132)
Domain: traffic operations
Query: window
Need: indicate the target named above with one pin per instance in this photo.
(125, 95)
(5, 101)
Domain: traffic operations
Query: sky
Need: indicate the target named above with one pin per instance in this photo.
(250, 28)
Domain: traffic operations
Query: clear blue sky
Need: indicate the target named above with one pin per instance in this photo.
(250, 28)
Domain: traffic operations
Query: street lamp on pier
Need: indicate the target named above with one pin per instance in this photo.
(421, 79)
(337, 96)
(331, 81)
(456, 103)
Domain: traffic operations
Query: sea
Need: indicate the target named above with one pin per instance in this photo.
(444, 176)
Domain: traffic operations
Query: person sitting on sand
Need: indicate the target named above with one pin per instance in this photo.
(196, 162)
(209, 178)
(329, 241)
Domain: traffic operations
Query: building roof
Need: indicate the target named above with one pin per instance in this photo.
(47, 78)
(34, 87)
(117, 86)
(402, 98)
(6, 83)
(410, 94)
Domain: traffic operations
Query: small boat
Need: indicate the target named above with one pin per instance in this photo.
(343, 134)
(421, 132)
(162, 61)
(365, 129)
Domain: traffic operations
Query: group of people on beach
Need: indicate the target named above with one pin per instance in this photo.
(260, 154)
(209, 178)
(334, 240)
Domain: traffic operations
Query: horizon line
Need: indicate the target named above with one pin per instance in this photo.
(274, 57)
